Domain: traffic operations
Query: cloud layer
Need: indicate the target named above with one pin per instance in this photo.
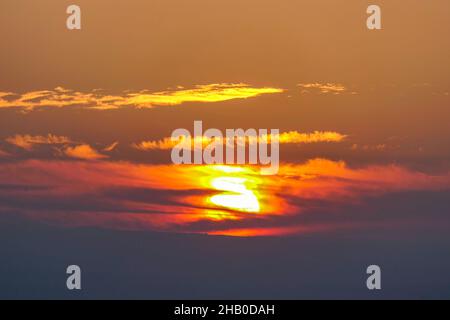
(307, 197)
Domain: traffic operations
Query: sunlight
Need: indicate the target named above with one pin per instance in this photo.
(237, 196)
(236, 189)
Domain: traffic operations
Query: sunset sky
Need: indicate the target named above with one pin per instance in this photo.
(86, 116)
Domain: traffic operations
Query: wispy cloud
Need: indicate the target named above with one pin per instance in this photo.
(291, 137)
(84, 152)
(65, 147)
(27, 141)
(316, 136)
(111, 147)
(333, 88)
(366, 147)
(5, 94)
(60, 97)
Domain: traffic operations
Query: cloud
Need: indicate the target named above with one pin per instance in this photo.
(334, 88)
(291, 137)
(84, 151)
(60, 97)
(111, 147)
(201, 93)
(27, 141)
(379, 147)
(76, 150)
(5, 94)
(315, 137)
(313, 196)
(164, 144)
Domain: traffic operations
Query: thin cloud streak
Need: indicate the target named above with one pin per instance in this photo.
(28, 141)
(324, 88)
(111, 147)
(61, 97)
(291, 137)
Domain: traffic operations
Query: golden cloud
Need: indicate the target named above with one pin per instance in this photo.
(60, 97)
(27, 141)
(315, 137)
(291, 137)
(83, 152)
(334, 88)
(5, 94)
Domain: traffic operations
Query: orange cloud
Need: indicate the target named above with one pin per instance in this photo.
(334, 88)
(84, 151)
(315, 137)
(227, 200)
(5, 94)
(291, 137)
(334, 180)
(27, 141)
(60, 97)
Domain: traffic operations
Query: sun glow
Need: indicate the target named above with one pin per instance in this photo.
(235, 189)
(211, 199)
(236, 194)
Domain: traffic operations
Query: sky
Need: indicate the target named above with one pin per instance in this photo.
(86, 118)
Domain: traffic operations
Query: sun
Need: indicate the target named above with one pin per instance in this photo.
(235, 194)
(236, 189)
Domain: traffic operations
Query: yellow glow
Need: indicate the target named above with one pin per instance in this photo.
(235, 196)
(201, 93)
(219, 215)
(230, 169)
